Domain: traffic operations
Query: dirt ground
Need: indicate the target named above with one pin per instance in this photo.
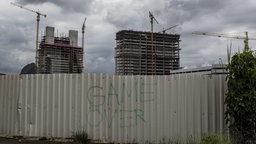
(30, 141)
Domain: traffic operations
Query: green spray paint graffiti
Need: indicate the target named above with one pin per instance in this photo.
(107, 105)
(127, 118)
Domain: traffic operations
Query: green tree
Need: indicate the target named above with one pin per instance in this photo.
(241, 97)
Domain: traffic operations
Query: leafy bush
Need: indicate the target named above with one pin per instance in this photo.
(81, 137)
(241, 97)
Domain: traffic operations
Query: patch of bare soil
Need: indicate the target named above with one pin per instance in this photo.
(4, 140)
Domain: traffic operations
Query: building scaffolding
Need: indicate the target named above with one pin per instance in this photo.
(60, 54)
(133, 53)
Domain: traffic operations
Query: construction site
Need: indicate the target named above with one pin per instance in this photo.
(134, 54)
(60, 54)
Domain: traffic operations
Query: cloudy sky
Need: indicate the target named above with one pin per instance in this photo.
(106, 17)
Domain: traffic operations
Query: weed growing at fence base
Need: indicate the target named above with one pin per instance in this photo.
(81, 137)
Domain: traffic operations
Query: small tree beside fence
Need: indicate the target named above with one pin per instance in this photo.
(241, 97)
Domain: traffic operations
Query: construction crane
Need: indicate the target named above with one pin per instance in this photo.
(152, 18)
(37, 28)
(245, 38)
(164, 30)
(83, 28)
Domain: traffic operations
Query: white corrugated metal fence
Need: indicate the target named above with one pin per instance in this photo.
(112, 108)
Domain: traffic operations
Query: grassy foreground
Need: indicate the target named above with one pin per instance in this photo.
(205, 139)
(82, 138)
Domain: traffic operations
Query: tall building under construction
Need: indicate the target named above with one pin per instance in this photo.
(134, 54)
(60, 54)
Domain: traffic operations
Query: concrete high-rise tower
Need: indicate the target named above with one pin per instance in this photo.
(133, 53)
(60, 54)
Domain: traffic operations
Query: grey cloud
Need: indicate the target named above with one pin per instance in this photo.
(240, 15)
(212, 6)
(12, 35)
(124, 16)
(101, 60)
(15, 41)
(7, 64)
(174, 12)
(183, 11)
(123, 20)
(67, 6)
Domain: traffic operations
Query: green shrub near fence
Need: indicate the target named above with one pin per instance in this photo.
(241, 97)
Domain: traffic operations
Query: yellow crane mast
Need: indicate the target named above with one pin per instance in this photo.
(37, 28)
(245, 38)
(152, 18)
